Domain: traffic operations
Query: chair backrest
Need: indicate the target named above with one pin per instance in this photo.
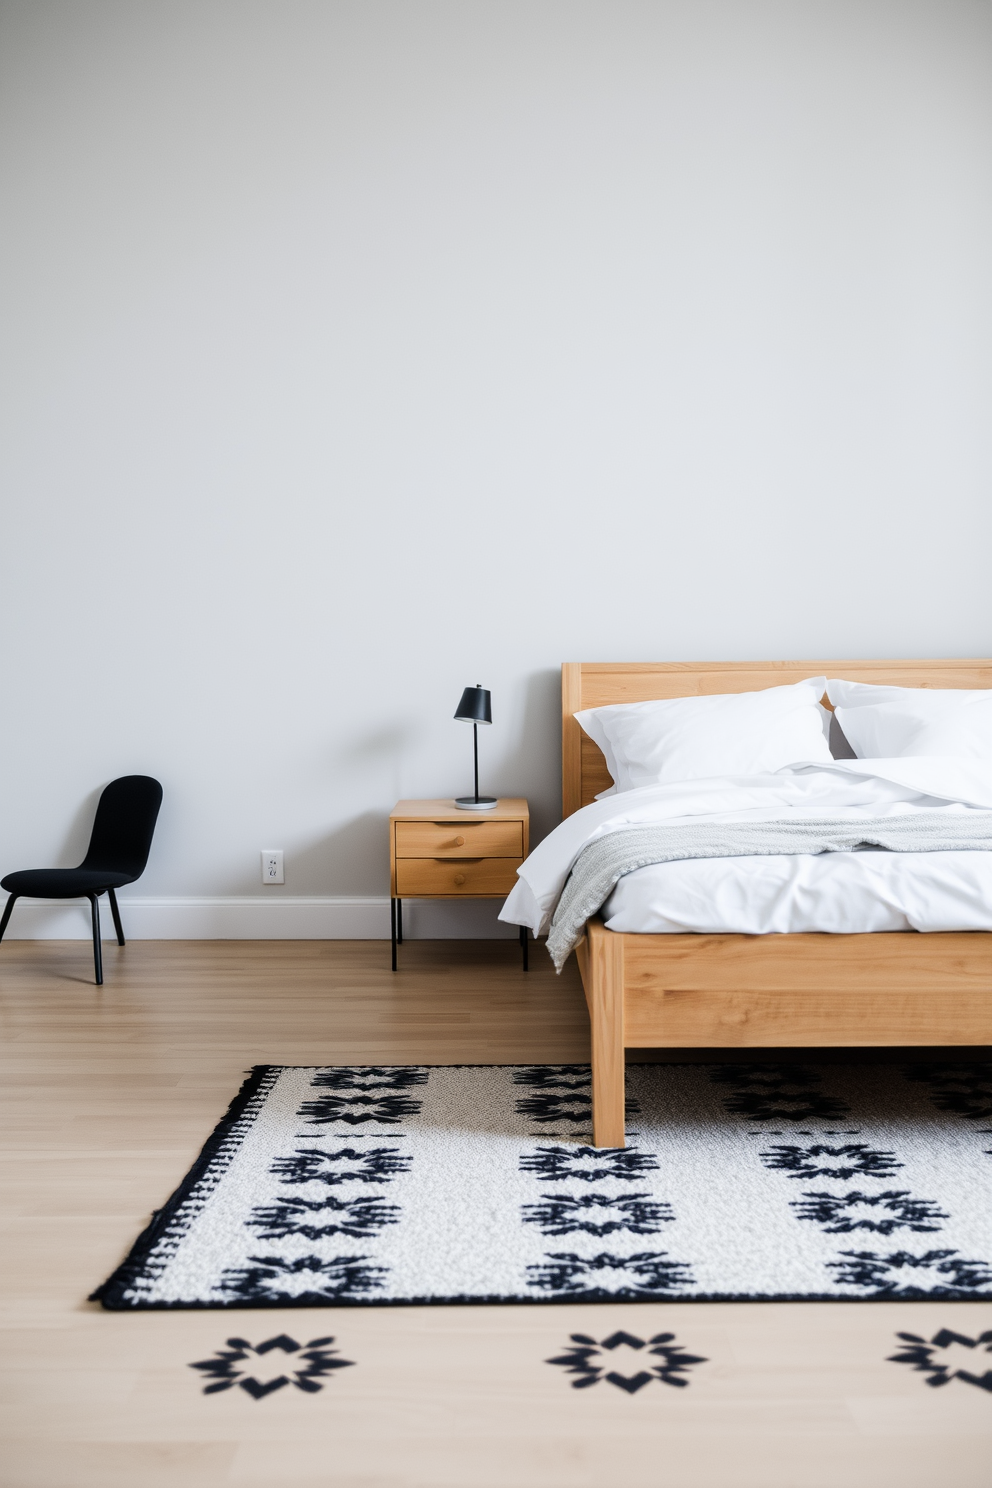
(125, 822)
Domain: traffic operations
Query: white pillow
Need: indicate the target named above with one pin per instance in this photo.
(886, 722)
(737, 733)
(590, 721)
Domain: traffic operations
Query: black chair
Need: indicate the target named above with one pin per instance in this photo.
(119, 845)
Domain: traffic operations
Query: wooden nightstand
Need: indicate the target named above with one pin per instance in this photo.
(437, 851)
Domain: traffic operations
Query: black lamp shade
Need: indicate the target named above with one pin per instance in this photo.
(475, 706)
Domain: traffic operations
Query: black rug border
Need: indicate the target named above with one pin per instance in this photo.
(111, 1293)
(580, 1298)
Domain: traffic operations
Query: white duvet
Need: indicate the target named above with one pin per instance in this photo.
(841, 893)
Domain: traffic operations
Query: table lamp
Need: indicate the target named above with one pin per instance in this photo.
(475, 708)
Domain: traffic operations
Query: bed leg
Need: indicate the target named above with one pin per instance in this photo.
(605, 965)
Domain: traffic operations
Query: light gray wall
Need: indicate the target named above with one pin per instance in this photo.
(359, 351)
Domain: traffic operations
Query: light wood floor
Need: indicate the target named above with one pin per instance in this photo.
(109, 1092)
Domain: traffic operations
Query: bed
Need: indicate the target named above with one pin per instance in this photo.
(760, 991)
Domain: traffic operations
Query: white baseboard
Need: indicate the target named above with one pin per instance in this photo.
(258, 917)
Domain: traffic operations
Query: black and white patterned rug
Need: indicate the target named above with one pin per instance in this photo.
(378, 1185)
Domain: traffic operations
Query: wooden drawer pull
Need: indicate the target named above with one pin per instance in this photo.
(459, 841)
(460, 878)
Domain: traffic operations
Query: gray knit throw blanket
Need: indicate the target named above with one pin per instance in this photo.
(599, 865)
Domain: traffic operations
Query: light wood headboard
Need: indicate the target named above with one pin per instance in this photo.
(595, 684)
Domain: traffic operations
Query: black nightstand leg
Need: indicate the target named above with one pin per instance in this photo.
(399, 922)
(523, 945)
(392, 928)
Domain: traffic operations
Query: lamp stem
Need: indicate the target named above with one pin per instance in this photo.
(475, 748)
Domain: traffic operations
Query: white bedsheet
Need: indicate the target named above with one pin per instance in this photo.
(847, 788)
(840, 893)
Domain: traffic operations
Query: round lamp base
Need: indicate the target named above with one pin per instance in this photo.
(469, 803)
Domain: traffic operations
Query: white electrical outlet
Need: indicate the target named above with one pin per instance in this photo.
(272, 871)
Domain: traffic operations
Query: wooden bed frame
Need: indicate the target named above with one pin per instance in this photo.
(760, 991)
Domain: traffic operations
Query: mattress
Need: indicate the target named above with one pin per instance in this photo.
(835, 892)
(842, 893)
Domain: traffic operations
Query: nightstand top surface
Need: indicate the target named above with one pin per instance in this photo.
(510, 808)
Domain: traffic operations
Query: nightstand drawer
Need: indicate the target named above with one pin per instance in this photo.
(431, 878)
(441, 839)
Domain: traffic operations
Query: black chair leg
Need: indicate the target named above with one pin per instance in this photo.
(97, 948)
(117, 917)
(6, 913)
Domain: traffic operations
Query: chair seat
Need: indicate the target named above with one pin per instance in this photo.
(63, 883)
